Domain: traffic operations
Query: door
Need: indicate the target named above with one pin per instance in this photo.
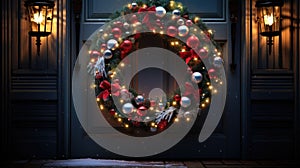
(225, 140)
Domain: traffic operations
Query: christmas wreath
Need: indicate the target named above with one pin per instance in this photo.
(181, 33)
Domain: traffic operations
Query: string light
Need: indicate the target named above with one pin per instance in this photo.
(126, 126)
(98, 99)
(174, 103)
(120, 119)
(122, 64)
(176, 120)
(101, 107)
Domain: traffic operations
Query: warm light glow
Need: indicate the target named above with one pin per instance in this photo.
(152, 124)
(176, 120)
(101, 107)
(196, 19)
(38, 18)
(268, 19)
(126, 126)
(120, 119)
(98, 99)
(174, 103)
(122, 64)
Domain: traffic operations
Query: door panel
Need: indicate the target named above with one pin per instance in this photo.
(224, 142)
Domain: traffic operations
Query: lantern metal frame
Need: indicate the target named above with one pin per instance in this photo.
(40, 13)
(269, 19)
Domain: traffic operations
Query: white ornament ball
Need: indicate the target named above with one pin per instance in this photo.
(134, 4)
(176, 13)
(160, 11)
(127, 108)
(185, 101)
(197, 77)
(153, 129)
(218, 62)
(180, 22)
(161, 106)
(112, 44)
(183, 31)
(125, 95)
(107, 54)
(139, 99)
(187, 114)
(126, 25)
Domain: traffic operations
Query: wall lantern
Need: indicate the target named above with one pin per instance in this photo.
(269, 19)
(40, 18)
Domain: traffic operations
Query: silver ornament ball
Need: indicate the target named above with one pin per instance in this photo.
(127, 108)
(218, 62)
(160, 11)
(185, 101)
(197, 77)
(139, 99)
(107, 54)
(183, 31)
(112, 44)
(176, 13)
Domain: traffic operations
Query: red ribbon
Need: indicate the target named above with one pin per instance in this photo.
(188, 55)
(105, 85)
(150, 10)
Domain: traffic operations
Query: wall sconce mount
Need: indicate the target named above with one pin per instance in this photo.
(40, 13)
(269, 19)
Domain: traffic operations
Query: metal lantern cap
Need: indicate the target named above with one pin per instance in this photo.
(268, 3)
(49, 3)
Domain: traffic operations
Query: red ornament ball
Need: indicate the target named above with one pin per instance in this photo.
(117, 32)
(112, 112)
(203, 53)
(177, 97)
(172, 31)
(94, 54)
(133, 19)
(193, 41)
(126, 46)
(103, 47)
(189, 23)
(212, 73)
(118, 24)
(142, 111)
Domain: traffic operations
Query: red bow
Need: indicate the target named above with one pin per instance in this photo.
(188, 55)
(104, 95)
(150, 10)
